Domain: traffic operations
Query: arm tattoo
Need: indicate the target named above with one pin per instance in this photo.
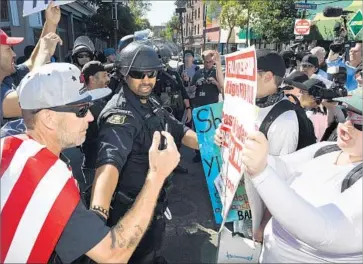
(118, 239)
(100, 209)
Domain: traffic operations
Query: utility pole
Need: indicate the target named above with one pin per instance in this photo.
(115, 21)
(180, 11)
(204, 25)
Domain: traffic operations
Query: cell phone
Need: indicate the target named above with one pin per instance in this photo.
(163, 143)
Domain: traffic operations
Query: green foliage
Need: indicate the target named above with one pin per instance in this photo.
(233, 13)
(130, 19)
(273, 20)
(173, 25)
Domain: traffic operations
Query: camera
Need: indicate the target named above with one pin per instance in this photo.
(319, 91)
(203, 81)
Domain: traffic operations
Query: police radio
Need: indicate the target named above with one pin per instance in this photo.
(159, 111)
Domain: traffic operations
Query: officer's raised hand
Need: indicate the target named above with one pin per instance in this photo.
(163, 162)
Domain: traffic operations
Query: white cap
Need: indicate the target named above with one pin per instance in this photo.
(56, 84)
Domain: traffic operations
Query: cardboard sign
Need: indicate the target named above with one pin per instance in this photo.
(34, 6)
(238, 118)
(206, 119)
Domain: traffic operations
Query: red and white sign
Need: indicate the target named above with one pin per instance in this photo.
(302, 27)
(239, 117)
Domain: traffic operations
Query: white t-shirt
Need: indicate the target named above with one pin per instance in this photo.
(283, 134)
(312, 220)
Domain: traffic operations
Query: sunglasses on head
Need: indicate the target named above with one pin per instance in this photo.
(80, 110)
(141, 75)
(83, 55)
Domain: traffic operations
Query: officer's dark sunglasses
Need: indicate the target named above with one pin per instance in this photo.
(141, 75)
(80, 110)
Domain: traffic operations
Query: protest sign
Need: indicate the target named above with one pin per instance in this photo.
(34, 6)
(238, 118)
(206, 120)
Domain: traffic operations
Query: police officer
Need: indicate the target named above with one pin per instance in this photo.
(126, 126)
(169, 87)
(83, 51)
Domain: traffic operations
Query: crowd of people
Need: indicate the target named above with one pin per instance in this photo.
(129, 112)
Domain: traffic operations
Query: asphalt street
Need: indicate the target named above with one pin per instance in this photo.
(191, 233)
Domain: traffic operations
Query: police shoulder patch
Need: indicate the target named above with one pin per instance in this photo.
(116, 119)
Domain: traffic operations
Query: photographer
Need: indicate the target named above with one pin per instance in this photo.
(320, 53)
(209, 83)
(310, 65)
(355, 60)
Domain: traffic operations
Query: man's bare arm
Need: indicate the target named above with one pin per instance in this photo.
(190, 139)
(53, 15)
(104, 186)
(11, 107)
(122, 240)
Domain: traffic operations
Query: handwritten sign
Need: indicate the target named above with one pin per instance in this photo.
(238, 118)
(34, 6)
(206, 120)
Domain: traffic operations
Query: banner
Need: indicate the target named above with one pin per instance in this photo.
(238, 118)
(34, 6)
(206, 120)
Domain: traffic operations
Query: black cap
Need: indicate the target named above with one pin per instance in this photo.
(91, 68)
(313, 82)
(269, 60)
(310, 60)
(296, 79)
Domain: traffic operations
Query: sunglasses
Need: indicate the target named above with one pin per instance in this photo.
(80, 110)
(355, 119)
(141, 75)
(83, 55)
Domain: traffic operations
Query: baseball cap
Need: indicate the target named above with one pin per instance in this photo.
(91, 68)
(296, 79)
(354, 100)
(6, 40)
(310, 83)
(56, 84)
(269, 60)
(310, 60)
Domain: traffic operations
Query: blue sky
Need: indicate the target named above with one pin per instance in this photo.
(161, 12)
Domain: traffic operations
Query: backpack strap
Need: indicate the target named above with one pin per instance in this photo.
(353, 176)
(278, 109)
(326, 149)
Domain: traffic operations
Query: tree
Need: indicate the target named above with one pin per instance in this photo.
(130, 19)
(274, 20)
(173, 25)
(233, 13)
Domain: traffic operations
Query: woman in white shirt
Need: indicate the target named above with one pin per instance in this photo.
(313, 220)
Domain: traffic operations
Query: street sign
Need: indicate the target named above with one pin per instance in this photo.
(356, 23)
(306, 6)
(302, 27)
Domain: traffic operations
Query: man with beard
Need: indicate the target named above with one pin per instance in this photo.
(126, 126)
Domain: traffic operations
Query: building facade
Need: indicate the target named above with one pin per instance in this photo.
(193, 24)
(71, 25)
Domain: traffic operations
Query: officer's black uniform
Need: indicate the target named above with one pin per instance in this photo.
(169, 87)
(126, 127)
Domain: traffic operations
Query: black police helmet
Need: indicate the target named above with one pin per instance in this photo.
(138, 56)
(83, 44)
(126, 40)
